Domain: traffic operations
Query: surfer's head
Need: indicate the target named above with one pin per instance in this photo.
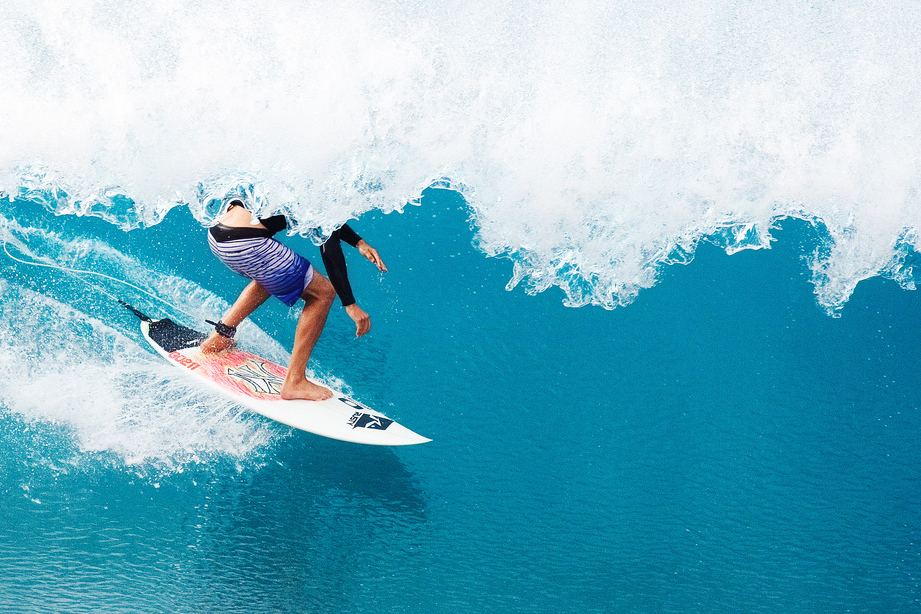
(235, 202)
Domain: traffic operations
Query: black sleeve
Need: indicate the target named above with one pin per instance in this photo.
(274, 224)
(348, 235)
(334, 261)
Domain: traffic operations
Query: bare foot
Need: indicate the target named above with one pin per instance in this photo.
(216, 344)
(305, 390)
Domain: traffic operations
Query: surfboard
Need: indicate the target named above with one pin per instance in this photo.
(254, 382)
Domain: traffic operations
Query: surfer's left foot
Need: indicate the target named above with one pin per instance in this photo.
(216, 344)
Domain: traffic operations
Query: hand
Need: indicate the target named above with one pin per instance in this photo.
(371, 254)
(362, 319)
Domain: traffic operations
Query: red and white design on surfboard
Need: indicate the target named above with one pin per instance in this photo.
(237, 371)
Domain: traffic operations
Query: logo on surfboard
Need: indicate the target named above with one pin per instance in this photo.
(256, 377)
(369, 421)
(362, 419)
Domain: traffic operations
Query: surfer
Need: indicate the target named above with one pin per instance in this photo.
(275, 270)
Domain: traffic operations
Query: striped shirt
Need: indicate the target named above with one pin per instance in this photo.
(278, 269)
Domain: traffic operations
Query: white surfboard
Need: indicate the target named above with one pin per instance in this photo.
(254, 383)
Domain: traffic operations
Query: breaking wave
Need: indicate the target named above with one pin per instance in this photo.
(594, 143)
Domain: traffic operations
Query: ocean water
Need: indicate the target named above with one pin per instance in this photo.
(652, 293)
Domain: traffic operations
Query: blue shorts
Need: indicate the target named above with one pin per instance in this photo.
(273, 266)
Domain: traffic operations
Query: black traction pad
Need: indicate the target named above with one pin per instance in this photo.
(172, 337)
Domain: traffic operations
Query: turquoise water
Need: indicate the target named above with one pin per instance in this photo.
(719, 445)
(651, 292)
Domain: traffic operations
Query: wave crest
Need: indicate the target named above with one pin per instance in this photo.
(594, 143)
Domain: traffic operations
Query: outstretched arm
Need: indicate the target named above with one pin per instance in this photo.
(334, 261)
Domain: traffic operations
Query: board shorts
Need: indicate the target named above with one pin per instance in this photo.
(278, 269)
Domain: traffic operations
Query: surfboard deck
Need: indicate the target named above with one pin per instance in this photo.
(254, 382)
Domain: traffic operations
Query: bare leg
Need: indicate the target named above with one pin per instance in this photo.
(318, 298)
(253, 296)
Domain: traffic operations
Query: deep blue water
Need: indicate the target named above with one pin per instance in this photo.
(720, 445)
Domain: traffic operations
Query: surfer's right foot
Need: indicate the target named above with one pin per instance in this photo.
(305, 390)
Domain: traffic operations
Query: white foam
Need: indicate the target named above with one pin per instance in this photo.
(595, 142)
(61, 365)
(64, 367)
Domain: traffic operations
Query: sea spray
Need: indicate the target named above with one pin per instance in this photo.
(594, 143)
(72, 357)
(108, 394)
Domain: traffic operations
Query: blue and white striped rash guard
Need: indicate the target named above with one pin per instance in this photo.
(278, 269)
